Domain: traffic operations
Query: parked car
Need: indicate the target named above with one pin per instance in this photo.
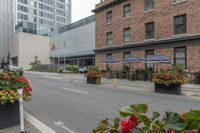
(14, 69)
(83, 69)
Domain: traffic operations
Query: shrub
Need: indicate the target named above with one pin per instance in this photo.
(72, 68)
(93, 71)
(35, 64)
(10, 82)
(169, 78)
(134, 119)
(179, 69)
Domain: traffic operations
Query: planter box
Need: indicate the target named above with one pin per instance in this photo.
(9, 115)
(94, 80)
(172, 89)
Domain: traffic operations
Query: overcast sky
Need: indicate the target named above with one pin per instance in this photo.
(82, 8)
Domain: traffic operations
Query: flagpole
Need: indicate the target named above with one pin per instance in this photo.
(64, 55)
(53, 60)
(53, 52)
(58, 56)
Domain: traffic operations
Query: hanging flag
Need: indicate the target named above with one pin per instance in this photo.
(53, 47)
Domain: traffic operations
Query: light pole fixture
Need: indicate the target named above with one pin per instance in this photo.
(21, 109)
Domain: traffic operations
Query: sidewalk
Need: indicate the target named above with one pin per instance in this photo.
(28, 128)
(187, 89)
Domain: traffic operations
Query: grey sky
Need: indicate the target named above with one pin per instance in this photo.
(82, 8)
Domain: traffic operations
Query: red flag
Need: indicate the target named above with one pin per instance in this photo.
(53, 47)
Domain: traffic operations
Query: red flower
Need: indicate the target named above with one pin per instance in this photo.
(133, 120)
(6, 91)
(170, 131)
(27, 89)
(126, 126)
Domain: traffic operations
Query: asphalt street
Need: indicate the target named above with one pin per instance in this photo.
(71, 106)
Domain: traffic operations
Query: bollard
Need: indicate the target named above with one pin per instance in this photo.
(21, 109)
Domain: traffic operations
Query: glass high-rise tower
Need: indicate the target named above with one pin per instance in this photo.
(44, 13)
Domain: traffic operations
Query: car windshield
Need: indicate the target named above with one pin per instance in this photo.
(13, 67)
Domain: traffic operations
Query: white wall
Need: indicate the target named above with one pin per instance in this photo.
(14, 47)
(29, 46)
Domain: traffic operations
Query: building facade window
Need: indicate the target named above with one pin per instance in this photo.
(109, 38)
(147, 54)
(180, 57)
(109, 56)
(149, 30)
(109, 17)
(23, 1)
(149, 5)
(126, 55)
(127, 35)
(23, 8)
(127, 11)
(180, 24)
(22, 16)
(177, 1)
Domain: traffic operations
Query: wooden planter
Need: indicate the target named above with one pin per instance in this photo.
(93, 80)
(9, 115)
(172, 89)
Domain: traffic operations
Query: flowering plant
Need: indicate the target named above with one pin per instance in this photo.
(169, 78)
(134, 119)
(93, 72)
(10, 82)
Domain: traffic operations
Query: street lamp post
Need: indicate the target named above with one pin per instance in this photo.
(21, 109)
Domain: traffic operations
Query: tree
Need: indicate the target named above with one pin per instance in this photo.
(35, 64)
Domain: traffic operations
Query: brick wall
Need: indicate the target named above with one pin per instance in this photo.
(163, 16)
(193, 58)
(167, 52)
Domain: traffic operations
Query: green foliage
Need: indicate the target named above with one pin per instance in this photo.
(93, 71)
(149, 70)
(179, 69)
(173, 121)
(35, 64)
(125, 69)
(134, 119)
(133, 109)
(72, 68)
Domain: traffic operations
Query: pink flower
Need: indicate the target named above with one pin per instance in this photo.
(181, 115)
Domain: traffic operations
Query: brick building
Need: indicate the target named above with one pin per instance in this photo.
(149, 27)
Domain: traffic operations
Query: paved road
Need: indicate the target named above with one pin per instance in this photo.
(72, 106)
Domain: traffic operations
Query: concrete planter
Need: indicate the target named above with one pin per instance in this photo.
(93, 80)
(9, 115)
(172, 89)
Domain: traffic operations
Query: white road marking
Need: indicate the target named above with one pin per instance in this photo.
(83, 92)
(61, 124)
(38, 124)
